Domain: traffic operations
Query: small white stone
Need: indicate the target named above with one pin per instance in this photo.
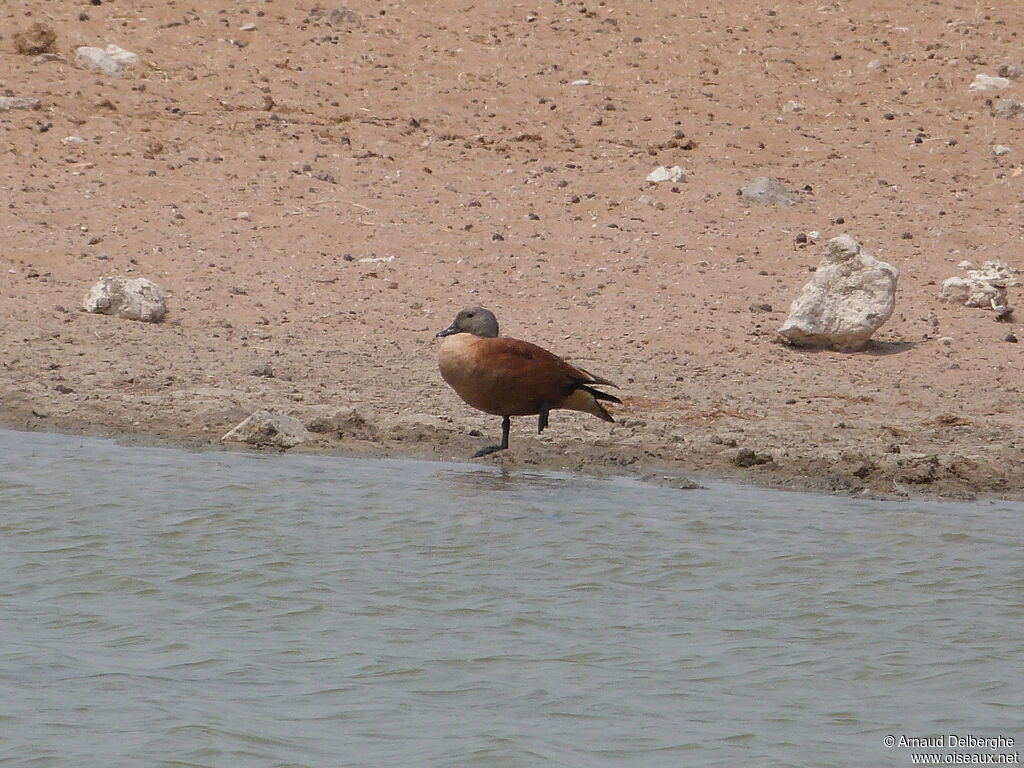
(765, 191)
(244, 216)
(132, 299)
(114, 61)
(72, 140)
(247, 27)
(999, 150)
(984, 82)
(793, 106)
(663, 173)
(18, 102)
(266, 428)
(984, 287)
(580, 82)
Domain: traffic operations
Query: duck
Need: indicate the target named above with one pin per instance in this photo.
(508, 377)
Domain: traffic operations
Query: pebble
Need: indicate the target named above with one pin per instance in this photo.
(663, 173)
(999, 150)
(793, 106)
(747, 457)
(114, 61)
(18, 102)
(767, 191)
(1012, 71)
(984, 82)
(648, 200)
(1009, 109)
(1011, 337)
(247, 27)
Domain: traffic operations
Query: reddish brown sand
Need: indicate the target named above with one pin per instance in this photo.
(409, 158)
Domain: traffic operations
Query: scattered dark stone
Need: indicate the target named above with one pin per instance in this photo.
(263, 369)
(475, 433)
(801, 239)
(1011, 337)
(325, 176)
(907, 236)
(840, 220)
(746, 457)
(863, 471)
(791, 401)
(1004, 315)
(533, 217)
(919, 470)
(760, 307)
(64, 389)
(889, 116)
(496, 237)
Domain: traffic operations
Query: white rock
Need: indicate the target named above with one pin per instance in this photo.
(765, 191)
(250, 27)
(662, 173)
(267, 428)
(133, 299)
(793, 106)
(1000, 149)
(119, 54)
(850, 296)
(18, 102)
(113, 61)
(72, 140)
(972, 293)
(580, 82)
(984, 287)
(989, 83)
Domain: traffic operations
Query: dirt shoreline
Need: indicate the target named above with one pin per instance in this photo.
(322, 188)
(631, 449)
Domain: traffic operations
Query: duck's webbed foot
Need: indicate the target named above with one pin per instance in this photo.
(506, 424)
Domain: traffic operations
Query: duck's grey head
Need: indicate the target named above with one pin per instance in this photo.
(475, 320)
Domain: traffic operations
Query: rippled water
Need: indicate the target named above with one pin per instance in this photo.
(160, 607)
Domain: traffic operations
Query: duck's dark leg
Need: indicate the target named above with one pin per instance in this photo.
(506, 424)
(542, 420)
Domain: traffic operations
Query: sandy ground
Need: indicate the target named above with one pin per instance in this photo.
(322, 191)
